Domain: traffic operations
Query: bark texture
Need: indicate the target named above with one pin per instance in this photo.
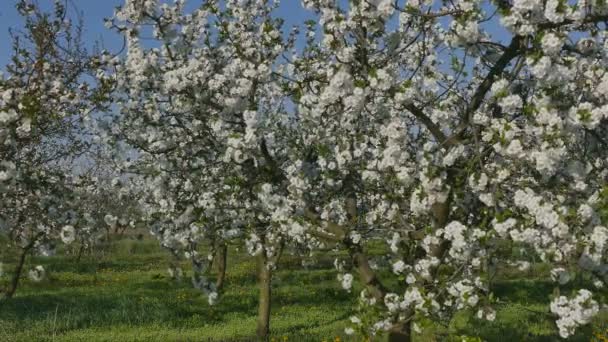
(10, 291)
(222, 259)
(264, 283)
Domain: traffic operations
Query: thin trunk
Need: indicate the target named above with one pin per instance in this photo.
(440, 218)
(120, 230)
(222, 258)
(264, 282)
(366, 273)
(400, 332)
(10, 292)
(280, 253)
(80, 252)
(213, 247)
(106, 248)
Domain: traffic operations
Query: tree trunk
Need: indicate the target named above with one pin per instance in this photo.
(264, 282)
(80, 252)
(222, 258)
(213, 252)
(10, 292)
(366, 273)
(400, 332)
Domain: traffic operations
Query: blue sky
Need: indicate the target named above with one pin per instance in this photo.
(94, 11)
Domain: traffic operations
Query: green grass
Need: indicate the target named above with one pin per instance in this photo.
(125, 295)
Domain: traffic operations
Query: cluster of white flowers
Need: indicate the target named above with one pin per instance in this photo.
(487, 314)
(586, 115)
(552, 44)
(503, 228)
(511, 104)
(574, 312)
(455, 232)
(68, 234)
(37, 273)
(464, 294)
(544, 213)
(411, 299)
(346, 281)
(432, 191)
(467, 32)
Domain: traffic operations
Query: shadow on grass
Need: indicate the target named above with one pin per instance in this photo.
(151, 301)
(142, 303)
(526, 318)
(524, 291)
(528, 327)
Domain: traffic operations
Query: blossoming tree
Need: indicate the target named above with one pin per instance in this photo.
(457, 148)
(42, 101)
(202, 107)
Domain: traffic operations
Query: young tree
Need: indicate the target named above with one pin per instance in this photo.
(108, 207)
(457, 148)
(202, 106)
(42, 102)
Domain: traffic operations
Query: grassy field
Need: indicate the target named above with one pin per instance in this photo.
(126, 295)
